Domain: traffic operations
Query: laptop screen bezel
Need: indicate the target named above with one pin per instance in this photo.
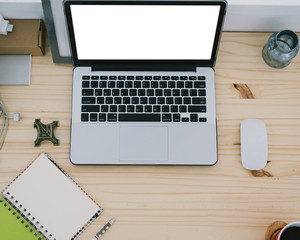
(144, 65)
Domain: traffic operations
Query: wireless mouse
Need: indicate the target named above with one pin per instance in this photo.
(254, 144)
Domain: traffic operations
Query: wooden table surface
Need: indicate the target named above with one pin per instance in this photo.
(224, 201)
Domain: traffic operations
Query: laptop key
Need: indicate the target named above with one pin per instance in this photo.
(161, 100)
(187, 100)
(152, 100)
(84, 117)
(124, 92)
(193, 92)
(126, 100)
(90, 108)
(102, 117)
(198, 100)
(174, 108)
(100, 100)
(95, 77)
(182, 108)
(108, 100)
(130, 108)
(202, 120)
(112, 117)
(165, 108)
(156, 108)
(111, 84)
(132, 92)
(128, 84)
(137, 84)
(201, 92)
(94, 84)
(120, 84)
(103, 77)
(154, 84)
(176, 117)
(166, 117)
(122, 108)
(117, 100)
(98, 92)
(116, 92)
(135, 100)
(148, 108)
(196, 109)
(88, 100)
(102, 84)
(104, 108)
(93, 117)
(185, 119)
(144, 100)
(113, 108)
(85, 84)
(139, 117)
(199, 84)
(194, 117)
(188, 84)
(86, 77)
(112, 77)
(139, 108)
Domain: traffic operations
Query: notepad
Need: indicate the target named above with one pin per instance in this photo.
(14, 226)
(51, 201)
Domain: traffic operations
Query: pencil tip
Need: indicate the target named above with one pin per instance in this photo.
(112, 220)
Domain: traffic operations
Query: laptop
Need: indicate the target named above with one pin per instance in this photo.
(143, 81)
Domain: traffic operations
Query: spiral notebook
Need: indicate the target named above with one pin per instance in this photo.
(43, 202)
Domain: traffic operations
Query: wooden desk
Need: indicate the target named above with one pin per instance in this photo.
(221, 202)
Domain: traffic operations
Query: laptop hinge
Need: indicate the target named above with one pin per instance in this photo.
(143, 67)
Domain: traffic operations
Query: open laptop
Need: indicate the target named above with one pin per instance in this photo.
(143, 82)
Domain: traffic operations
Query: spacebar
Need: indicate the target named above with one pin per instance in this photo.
(136, 117)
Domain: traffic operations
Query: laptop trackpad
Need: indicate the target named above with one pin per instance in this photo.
(144, 144)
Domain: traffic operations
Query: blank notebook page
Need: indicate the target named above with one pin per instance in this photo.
(52, 198)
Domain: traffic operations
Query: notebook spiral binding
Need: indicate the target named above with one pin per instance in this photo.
(40, 229)
(22, 217)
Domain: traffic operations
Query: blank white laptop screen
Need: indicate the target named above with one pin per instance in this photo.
(146, 32)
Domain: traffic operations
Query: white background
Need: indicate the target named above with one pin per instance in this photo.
(144, 32)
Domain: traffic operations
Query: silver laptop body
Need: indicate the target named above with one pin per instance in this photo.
(140, 96)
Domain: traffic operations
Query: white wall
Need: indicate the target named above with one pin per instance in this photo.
(242, 15)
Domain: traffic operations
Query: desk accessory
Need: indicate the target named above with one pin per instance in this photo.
(281, 48)
(5, 26)
(13, 225)
(290, 232)
(273, 229)
(104, 229)
(28, 37)
(45, 132)
(254, 144)
(51, 201)
(4, 127)
(15, 69)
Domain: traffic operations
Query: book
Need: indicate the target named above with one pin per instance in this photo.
(49, 201)
(14, 226)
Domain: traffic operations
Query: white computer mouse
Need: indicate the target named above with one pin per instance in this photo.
(254, 144)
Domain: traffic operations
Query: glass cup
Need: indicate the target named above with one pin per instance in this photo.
(281, 48)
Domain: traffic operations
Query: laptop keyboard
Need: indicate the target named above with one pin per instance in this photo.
(143, 98)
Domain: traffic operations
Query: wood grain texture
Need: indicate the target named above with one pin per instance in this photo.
(168, 202)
